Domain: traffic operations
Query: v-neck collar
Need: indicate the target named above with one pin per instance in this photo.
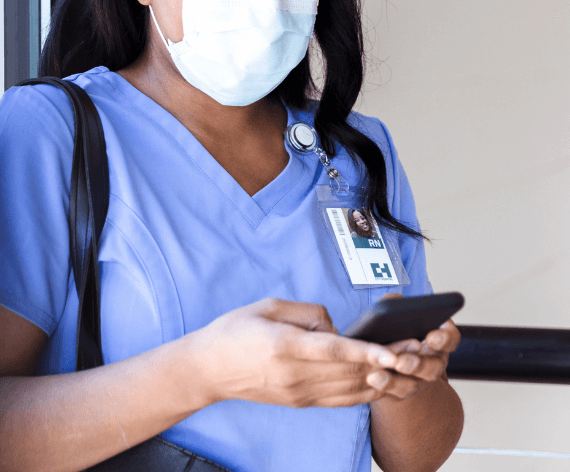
(253, 208)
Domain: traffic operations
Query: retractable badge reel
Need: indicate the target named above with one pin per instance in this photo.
(369, 255)
(303, 138)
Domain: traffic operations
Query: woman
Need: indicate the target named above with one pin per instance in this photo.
(223, 340)
(359, 225)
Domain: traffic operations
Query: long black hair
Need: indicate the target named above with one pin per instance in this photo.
(113, 33)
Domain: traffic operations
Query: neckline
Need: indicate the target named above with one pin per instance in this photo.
(254, 208)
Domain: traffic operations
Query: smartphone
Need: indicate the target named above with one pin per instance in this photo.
(404, 318)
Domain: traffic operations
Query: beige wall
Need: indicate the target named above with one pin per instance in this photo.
(476, 95)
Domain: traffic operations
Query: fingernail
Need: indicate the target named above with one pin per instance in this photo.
(379, 380)
(438, 340)
(387, 359)
(314, 325)
(410, 364)
(414, 347)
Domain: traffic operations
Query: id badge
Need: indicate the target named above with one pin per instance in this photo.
(367, 251)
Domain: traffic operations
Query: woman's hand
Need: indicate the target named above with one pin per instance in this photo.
(420, 363)
(288, 353)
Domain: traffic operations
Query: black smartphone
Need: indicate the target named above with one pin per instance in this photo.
(404, 318)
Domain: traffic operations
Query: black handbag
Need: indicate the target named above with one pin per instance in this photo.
(88, 205)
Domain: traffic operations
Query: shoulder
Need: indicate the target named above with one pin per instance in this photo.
(377, 131)
(36, 132)
(32, 110)
(370, 126)
(37, 120)
(374, 129)
(352, 168)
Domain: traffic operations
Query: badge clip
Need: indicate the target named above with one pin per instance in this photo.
(303, 138)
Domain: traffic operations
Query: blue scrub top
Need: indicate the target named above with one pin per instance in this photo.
(183, 243)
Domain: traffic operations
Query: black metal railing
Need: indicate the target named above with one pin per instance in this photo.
(534, 355)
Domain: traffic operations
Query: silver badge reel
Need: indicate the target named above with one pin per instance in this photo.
(303, 139)
(370, 262)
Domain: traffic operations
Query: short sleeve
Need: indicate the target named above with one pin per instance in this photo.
(36, 146)
(403, 208)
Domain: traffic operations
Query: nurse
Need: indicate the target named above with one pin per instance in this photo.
(221, 291)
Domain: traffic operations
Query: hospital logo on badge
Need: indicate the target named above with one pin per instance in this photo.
(381, 272)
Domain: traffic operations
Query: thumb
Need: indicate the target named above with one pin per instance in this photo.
(309, 316)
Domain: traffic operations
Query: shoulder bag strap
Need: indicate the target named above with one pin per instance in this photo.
(88, 205)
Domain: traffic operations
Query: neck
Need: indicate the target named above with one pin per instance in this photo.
(155, 75)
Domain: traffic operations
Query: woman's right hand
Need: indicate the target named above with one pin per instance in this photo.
(288, 353)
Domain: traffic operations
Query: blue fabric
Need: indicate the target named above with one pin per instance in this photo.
(183, 243)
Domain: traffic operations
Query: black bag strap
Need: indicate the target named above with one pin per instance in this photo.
(88, 205)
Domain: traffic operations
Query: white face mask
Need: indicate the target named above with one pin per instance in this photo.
(239, 51)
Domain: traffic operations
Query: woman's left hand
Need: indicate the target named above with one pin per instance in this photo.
(426, 361)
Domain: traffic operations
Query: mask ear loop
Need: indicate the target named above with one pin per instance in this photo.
(158, 28)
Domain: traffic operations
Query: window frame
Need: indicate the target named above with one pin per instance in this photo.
(23, 30)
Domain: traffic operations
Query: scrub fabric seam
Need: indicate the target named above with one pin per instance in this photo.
(134, 213)
(355, 439)
(146, 271)
(184, 150)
